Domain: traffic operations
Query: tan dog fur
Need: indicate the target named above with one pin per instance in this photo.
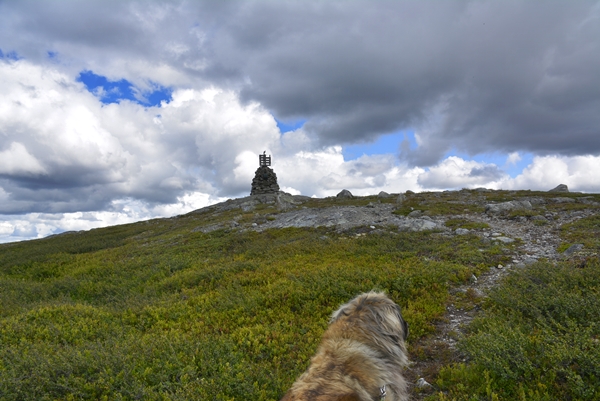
(362, 350)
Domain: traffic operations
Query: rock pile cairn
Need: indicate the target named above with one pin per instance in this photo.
(265, 179)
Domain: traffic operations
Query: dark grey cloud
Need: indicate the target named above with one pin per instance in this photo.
(477, 76)
(54, 200)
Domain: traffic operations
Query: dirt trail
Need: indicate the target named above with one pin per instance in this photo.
(538, 242)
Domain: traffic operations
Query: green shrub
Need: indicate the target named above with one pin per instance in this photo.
(464, 223)
(170, 314)
(538, 339)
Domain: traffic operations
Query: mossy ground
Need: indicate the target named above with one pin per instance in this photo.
(160, 310)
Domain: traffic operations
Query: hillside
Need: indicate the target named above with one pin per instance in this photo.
(501, 290)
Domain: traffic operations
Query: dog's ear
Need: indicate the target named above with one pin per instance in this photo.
(339, 313)
(404, 324)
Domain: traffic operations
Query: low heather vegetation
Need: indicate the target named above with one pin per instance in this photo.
(160, 310)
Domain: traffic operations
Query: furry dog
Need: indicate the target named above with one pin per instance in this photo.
(361, 356)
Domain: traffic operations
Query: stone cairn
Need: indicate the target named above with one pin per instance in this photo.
(265, 180)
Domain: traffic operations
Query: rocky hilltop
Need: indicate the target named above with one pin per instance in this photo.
(531, 218)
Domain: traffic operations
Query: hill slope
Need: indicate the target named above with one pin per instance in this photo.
(229, 302)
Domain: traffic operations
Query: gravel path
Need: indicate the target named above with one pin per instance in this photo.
(538, 242)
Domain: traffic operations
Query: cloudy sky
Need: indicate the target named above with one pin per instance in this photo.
(119, 111)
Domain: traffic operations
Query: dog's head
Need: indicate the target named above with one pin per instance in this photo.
(376, 313)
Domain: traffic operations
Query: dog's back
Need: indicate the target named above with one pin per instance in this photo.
(360, 357)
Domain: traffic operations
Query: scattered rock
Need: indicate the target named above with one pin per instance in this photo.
(345, 194)
(422, 383)
(401, 198)
(588, 200)
(504, 240)
(498, 208)
(415, 213)
(562, 199)
(461, 231)
(572, 249)
(417, 225)
(560, 188)
(207, 229)
(383, 195)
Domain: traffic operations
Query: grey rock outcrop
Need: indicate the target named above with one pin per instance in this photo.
(264, 182)
(504, 207)
(560, 188)
(346, 217)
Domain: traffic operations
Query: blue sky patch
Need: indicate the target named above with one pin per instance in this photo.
(384, 144)
(115, 91)
(289, 125)
(12, 55)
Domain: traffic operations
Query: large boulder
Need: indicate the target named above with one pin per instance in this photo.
(560, 188)
(345, 194)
